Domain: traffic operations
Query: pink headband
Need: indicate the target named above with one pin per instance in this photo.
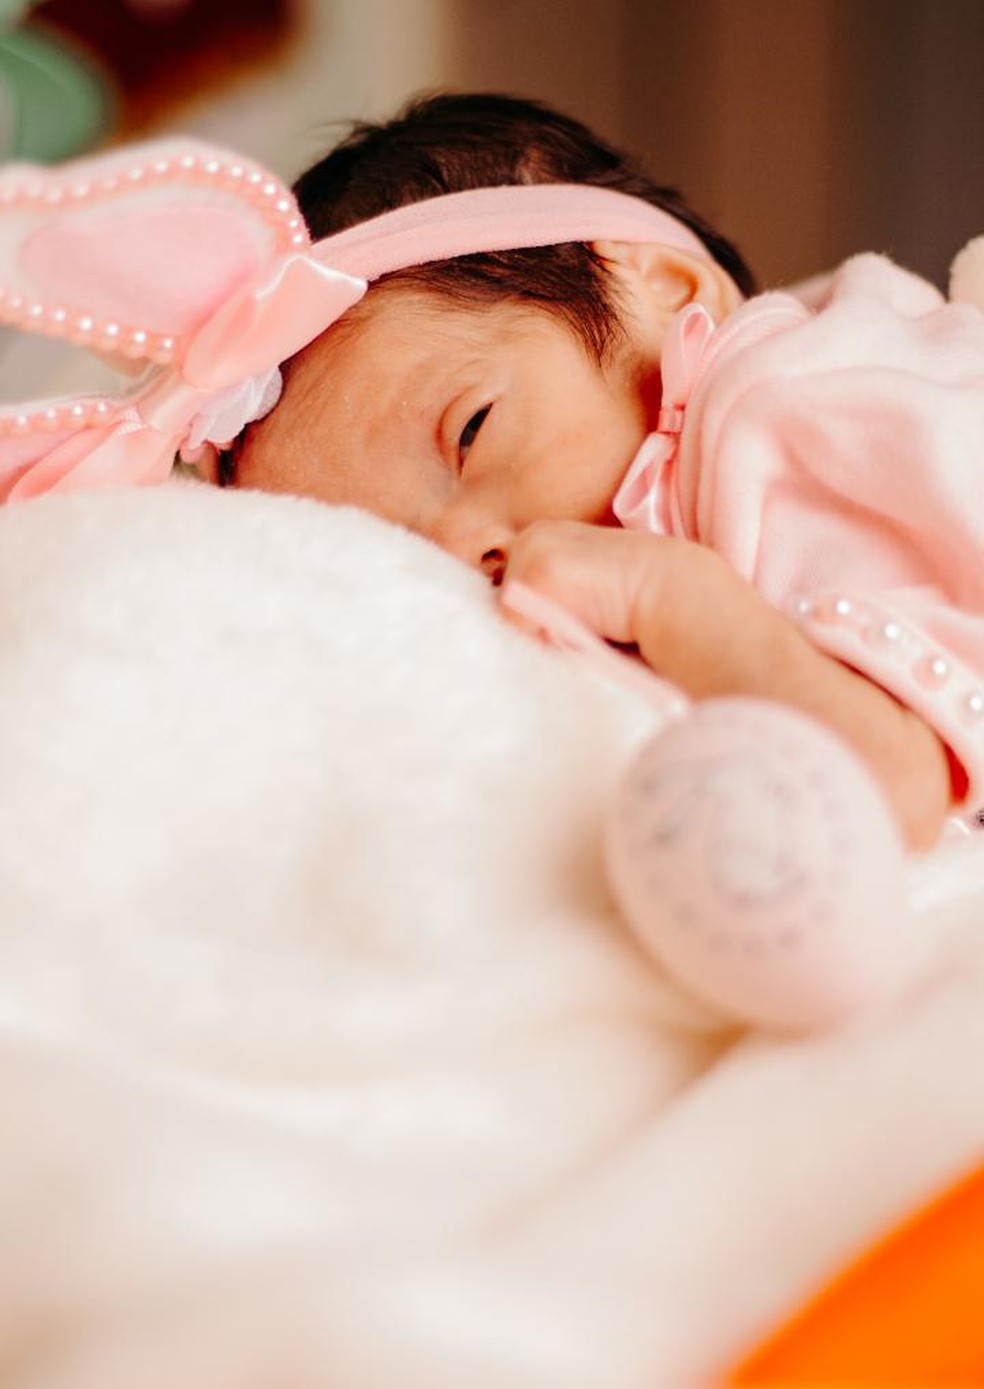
(198, 262)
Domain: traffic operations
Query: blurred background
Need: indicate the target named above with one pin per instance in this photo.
(807, 129)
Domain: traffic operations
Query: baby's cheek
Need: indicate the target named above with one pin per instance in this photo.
(574, 472)
(261, 460)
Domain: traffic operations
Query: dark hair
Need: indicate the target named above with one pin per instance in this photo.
(447, 143)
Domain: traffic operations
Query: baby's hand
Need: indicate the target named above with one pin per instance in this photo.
(692, 618)
(699, 625)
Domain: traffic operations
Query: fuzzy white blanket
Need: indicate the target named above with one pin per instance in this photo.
(324, 1057)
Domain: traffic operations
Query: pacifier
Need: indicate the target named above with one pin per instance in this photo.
(748, 849)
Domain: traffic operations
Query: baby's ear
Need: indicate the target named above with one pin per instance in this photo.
(661, 280)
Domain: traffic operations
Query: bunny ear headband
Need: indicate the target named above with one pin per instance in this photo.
(196, 262)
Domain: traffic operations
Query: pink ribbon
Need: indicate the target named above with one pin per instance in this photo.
(124, 451)
(644, 500)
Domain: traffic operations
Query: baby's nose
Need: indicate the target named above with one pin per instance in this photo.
(473, 535)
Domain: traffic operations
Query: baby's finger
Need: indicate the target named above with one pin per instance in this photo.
(592, 572)
(550, 622)
(539, 615)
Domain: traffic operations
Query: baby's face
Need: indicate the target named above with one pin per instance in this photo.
(462, 425)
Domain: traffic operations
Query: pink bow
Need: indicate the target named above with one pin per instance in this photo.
(208, 277)
(644, 501)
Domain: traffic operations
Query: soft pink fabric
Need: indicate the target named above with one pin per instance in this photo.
(269, 320)
(152, 266)
(835, 458)
(123, 454)
(500, 219)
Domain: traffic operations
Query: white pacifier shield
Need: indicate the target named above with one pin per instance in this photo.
(755, 857)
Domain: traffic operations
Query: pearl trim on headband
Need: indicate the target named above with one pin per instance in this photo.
(55, 418)
(268, 195)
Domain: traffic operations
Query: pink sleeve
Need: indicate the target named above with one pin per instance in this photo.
(922, 650)
(872, 276)
(848, 485)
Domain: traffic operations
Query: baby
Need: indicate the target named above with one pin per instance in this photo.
(778, 508)
(767, 495)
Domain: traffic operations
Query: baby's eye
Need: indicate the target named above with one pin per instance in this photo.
(470, 432)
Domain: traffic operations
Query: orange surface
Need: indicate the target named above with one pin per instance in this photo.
(909, 1313)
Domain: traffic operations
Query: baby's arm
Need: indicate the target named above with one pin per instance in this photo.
(707, 630)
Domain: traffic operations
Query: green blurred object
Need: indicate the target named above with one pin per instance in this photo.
(52, 104)
(12, 10)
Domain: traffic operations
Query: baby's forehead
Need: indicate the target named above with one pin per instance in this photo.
(396, 324)
(395, 302)
(395, 343)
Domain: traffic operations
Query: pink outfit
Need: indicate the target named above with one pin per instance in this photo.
(834, 455)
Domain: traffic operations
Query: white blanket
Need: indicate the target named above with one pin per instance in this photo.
(323, 1053)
